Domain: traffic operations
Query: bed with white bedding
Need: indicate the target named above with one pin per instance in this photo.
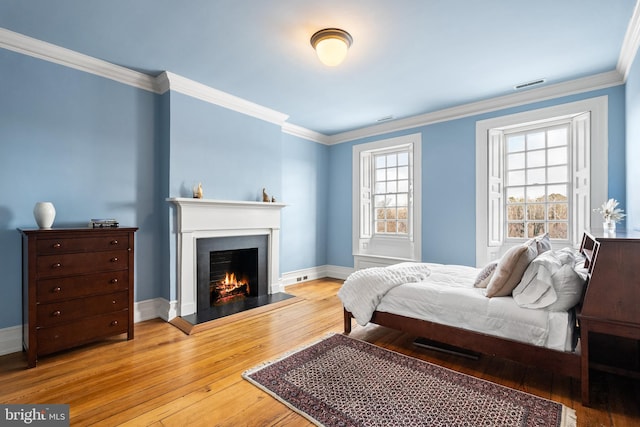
(528, 316)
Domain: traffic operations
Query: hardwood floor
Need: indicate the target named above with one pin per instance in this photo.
(167, 378)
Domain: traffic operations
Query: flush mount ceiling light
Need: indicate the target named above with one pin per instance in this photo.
(331, 45)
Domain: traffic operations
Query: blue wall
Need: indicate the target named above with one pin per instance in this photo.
(448, 181)
(632, 121)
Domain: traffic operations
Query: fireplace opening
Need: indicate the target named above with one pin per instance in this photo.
(232, 276)
(233, 273)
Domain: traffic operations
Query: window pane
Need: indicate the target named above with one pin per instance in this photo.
(403, 159)
(403, 186)
(535, 212)
(380, 227)
(391, 226)
(515, 178)
(515, 161)
(536, 176)
(381, 174)
(380, 162)
(558, 211)
(515, 212)
(403, 200)
(380, 213)
(557, 156)
(391, 200)
(536, 159)
(535, 194)
(380, 201)
(403, 213)
(381, 188)
(515, 194)
(515, 229)
(392, 173)
(403, 172)
(392, 187)
(557, 193)
(558, 174)
(557, 137)
(402, 227)
(535, 140)
(391, 213)
(515, 143)
(392, 160)
(558, 230)
(535, 229)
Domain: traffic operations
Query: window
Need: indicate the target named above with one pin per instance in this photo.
(386, 194)
(391, 192)
(537, 182)
(538, 172)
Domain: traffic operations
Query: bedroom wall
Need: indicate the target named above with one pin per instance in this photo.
(632, 93)
(448, 181)
(85, 143)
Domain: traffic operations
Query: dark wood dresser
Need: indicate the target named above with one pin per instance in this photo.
(77, 287)
(610, 314)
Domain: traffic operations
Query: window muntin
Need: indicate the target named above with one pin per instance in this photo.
(537, 182)
(391, 195)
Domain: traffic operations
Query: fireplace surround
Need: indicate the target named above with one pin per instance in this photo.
(205, 218)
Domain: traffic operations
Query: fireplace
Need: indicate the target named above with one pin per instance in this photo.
(222, 225)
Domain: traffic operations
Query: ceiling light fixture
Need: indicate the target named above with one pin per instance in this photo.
(331, 45)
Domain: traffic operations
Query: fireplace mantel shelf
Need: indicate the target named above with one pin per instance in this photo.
(196, 202)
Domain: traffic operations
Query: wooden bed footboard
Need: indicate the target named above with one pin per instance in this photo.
(559, 362)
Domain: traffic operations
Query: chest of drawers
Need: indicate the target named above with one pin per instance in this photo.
(77, 287)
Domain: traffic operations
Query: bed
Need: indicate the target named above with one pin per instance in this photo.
(531, 319)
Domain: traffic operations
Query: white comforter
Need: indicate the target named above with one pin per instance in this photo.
(363, 290)
(447, 296)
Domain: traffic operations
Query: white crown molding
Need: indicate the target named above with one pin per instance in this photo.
(585, 84)
(305, 133)
(206, 93)
(630, 44)
(59, 55)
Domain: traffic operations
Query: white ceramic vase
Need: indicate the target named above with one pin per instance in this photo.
(44, 213)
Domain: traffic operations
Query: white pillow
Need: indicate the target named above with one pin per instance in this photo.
(554, 281)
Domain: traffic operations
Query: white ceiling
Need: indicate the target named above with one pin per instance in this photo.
(409, 57)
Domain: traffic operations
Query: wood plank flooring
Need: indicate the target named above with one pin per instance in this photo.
(167, 378)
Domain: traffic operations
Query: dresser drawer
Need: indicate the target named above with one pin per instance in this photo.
(63, 288)
(85, 244)
(56, 313)
(79, 263)
(90, 329)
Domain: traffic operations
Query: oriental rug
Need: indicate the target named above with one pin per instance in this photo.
(341, 381)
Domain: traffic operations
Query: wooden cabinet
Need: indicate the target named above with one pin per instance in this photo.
(610, 314)
(77, 287)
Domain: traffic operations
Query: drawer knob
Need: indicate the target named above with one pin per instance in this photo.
(114, 280)
(56, 313)
(114, 323)
(114, 242)
(56, 245)
(114, 302)
(114, 259)
(57, 289)
(56, 265)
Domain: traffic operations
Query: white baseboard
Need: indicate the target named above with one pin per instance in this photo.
(10, 340)
(11, 337)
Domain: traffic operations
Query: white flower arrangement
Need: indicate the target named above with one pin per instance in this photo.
(610, 211)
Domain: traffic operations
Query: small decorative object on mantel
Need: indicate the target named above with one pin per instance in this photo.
(265, 196)
(44, 213)
(103, 223)
(273, 199)
(197, 191)
(611, 214)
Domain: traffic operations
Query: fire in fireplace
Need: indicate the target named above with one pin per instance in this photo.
(228, 289)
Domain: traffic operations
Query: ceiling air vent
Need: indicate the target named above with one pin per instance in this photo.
(529, 84)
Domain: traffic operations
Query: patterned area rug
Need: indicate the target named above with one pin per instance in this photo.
(341, 381)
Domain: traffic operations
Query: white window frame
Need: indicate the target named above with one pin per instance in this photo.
(371, 249)
(490, 242)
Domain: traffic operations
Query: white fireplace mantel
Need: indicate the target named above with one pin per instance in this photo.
(204, 218)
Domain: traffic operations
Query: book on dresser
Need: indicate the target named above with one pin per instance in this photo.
(77, 287)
